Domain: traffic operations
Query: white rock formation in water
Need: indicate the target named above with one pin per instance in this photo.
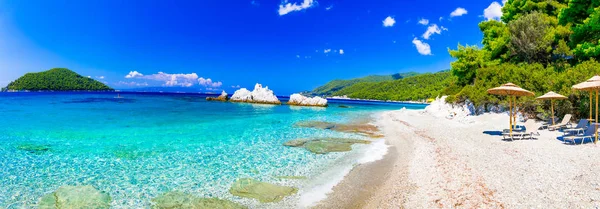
(258, 95)
(299, 100)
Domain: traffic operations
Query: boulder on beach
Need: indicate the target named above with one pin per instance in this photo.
(75, 197)
(34, 148)
(262, 191)
(258, 95)
(220, 98)
(300, 100)
(180, 200)
(326, 145)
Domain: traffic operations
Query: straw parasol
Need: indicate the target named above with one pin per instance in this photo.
(513, 90)
(552, 96)
(591, 85)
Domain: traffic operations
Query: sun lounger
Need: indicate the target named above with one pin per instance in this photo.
(579, 129)
(531, 129)
(565, 123)
(589, 134)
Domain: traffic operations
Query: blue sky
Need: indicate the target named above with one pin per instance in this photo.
(213, 45)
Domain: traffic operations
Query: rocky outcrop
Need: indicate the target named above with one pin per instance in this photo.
(258, 95)
(326, 145)
(299, 100)
(220, 98)
(180, 200)
(263, 192)
(75, 197)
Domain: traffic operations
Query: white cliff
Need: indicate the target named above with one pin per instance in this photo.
(299, 100)
(258, 95)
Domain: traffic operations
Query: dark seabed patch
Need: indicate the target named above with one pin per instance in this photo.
(180, 200)
(262, 191)
(34, 148)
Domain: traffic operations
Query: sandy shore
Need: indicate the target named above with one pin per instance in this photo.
(434, 162)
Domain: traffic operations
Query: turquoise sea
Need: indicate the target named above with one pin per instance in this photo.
(144, 144)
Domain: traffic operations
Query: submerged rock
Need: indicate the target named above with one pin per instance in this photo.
(299, 100)
(326, 145)
(292, 177)
(34, 148)
(263, 192)
(343, 106)
(258, 95)
(75, 197)
(131, 154)
(363, 129)
(295, 142)
(220, 98)
(180, 200)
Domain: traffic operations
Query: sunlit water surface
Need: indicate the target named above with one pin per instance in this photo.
(140, 146)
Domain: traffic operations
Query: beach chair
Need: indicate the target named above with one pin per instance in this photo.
(547, 123)
(579, 129)
(531, 129)
(590, 133)
(565, 123)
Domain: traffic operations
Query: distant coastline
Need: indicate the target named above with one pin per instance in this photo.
(374, 100)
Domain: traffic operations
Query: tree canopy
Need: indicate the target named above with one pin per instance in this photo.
(541, 45)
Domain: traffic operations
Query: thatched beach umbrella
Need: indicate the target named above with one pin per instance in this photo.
(591, 85)
(552, 96)
(513, 90)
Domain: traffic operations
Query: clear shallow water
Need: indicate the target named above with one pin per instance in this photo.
(143, 145)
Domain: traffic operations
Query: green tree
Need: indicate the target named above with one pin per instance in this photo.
(586, 37)
(577, 11)
(496, 37)
(530, 40)
(514, 9)
(468, 60)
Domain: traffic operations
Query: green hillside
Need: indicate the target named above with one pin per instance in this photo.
(337, 85)
(419, 87)
(56, 79)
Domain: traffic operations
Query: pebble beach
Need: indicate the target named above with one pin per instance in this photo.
(437, 162)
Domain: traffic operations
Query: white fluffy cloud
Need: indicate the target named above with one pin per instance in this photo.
(287, 7)
(341, 51)
(131, 84)
(494, 11)
(179, 79)
(424, 21)
(389, 22)
(100, 77)
(422, 48)
(209, 83)
(458, 12)
(327, 51)
(432, 29)
(134, 74)
(236, 86)
(329, 8)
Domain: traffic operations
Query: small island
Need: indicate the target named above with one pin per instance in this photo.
(56, 79)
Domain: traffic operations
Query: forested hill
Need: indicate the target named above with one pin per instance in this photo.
(337, 85)
(56, 79)
(415, 88)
